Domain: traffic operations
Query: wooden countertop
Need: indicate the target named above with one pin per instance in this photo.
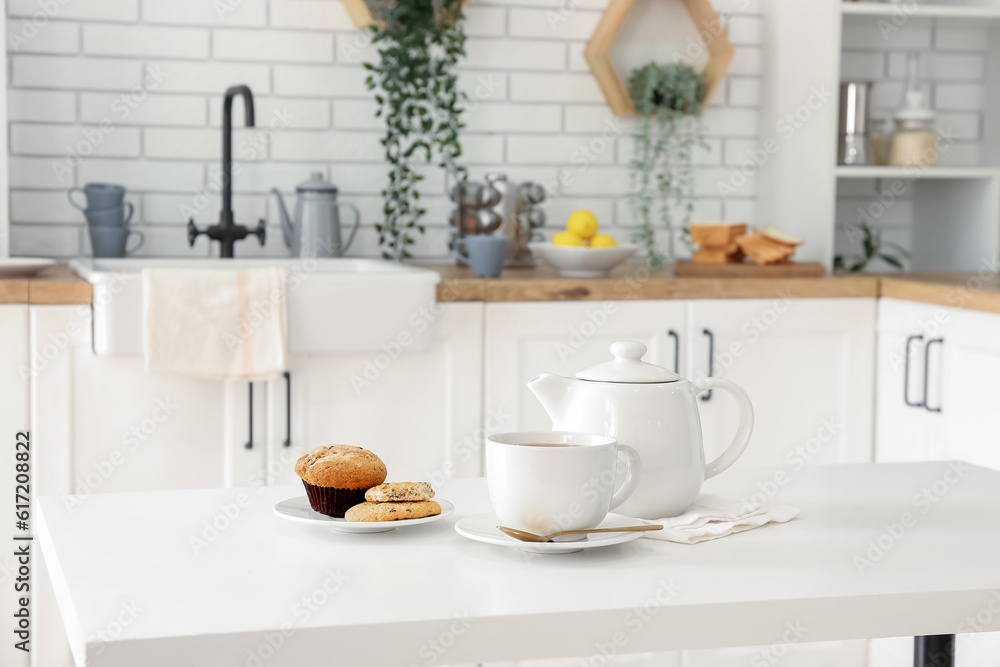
(636, 282)
(57, 285)
(971, 291)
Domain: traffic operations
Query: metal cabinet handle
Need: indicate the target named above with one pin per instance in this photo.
(677, 350)
(927, 356)
(707, 396)
(906, 373)
(288, 409)
(249, 444)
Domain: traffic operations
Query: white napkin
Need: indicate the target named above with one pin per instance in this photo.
(711, 517)
(225, 324)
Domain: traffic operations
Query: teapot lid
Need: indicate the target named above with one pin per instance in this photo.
(316, 183)
(628, 367)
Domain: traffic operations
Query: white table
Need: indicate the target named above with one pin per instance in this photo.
(425, 595)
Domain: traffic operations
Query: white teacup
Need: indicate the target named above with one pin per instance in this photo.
(547, 481)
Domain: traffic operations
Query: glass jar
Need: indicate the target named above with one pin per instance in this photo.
(914, 144)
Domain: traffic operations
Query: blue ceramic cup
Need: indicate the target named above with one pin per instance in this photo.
(98, 196)
(116, 216)
(484, 253)
(111, 241)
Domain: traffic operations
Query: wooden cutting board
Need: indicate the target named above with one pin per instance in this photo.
(687, 269)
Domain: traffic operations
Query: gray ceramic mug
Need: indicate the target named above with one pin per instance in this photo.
(110, 241)
(116, 216)
(98, 196)
(484, 253)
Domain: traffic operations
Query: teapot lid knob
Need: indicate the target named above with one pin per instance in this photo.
(628, 367)
(628, 350)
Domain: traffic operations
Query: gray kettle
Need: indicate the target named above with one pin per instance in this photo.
(315, 229)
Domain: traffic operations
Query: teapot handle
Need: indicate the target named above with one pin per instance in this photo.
(742, 438)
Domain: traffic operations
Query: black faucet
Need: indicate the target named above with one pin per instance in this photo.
(227, 232)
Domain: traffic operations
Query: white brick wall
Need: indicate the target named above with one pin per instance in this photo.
(953, 57)
(129, 91)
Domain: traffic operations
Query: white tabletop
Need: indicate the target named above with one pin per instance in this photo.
(426, 595)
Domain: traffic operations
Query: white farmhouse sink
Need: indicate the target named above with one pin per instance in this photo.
(333, 304)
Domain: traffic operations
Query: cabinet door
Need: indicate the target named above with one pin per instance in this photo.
(419, 410)
(904, 429)
(969, 396)
(104, 425)
(525, 339)
(808, 367)
(13, 418)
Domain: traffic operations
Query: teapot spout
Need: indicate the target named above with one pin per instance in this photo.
(553, 392)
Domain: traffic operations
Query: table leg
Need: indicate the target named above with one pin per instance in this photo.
(934, 651)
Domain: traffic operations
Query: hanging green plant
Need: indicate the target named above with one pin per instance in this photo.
(872, 247)
(668, 100)
(420, 43)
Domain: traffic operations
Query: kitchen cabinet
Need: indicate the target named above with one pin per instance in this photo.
(421, 410)
(808, 367)
(14, 418)
(945, 358)
(807, 364)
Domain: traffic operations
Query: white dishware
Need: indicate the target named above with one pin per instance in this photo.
(581, 261)
(483, 528)
(545, 482)
(655, 411)
(297, 509)
(14, 267)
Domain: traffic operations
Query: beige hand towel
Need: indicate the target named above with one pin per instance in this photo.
(712, 517)
(225, 324)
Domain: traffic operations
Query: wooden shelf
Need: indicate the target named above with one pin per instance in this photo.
(970, 173)
(929, 10)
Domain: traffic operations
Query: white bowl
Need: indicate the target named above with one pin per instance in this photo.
(583, 262)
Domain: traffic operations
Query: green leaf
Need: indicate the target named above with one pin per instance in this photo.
(892, 261)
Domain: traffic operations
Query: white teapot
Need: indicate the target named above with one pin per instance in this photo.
(653, 410)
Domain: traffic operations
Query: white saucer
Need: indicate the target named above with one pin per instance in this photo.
(23, 266)
(483, 528)
(298, 509)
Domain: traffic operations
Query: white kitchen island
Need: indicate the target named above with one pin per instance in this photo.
(880, 550)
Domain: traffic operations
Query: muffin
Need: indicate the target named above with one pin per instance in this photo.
(336, 477)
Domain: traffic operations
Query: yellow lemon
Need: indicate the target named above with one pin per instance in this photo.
(603, 241)
(567, 238)
(582, 223)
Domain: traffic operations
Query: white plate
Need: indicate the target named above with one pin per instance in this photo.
(298, 509)
(24, 266)
(483, 528)
(582, 262)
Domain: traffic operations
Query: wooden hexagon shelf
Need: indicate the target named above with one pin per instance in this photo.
(361, 14)
(711, 36)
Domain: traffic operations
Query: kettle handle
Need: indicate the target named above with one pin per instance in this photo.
(357, 223)
(743, 431)
(287, 233)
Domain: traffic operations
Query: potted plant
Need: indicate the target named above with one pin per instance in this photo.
(872, 247)
(419, 44)
(668, 100)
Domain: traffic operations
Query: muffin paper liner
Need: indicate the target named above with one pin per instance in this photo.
(333, 501)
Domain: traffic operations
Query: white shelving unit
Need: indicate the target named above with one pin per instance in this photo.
(912, 9)
(955, 209)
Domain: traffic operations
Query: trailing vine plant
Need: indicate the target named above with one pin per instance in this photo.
(668, 100)
(419, 44)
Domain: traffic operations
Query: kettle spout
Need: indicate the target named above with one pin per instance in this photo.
(287, 232)
(553, 392)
